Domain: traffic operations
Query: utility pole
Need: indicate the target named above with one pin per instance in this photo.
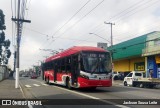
(111, 45)
(111, 32)
(19, 31)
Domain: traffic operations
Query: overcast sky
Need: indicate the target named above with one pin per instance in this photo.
(60, 24)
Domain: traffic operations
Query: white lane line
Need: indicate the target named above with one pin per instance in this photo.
(28, 86)
(36, 85)
(44, 84)
(29, 106)
(22, 91)
(92, 97)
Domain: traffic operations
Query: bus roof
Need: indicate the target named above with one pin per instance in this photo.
(74, 50)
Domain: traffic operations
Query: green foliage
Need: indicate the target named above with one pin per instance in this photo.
(2, 37)
(4, 55)
(2, 22)
(7, 43)
(8, 53)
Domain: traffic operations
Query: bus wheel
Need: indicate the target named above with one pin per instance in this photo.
(47, 80)
(68, 85)
(125, 83)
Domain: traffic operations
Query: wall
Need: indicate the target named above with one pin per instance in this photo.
(4, 73)
(128, 64)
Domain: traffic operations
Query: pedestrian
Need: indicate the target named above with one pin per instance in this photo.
(151, 73)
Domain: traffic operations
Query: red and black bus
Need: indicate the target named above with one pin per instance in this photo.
(79, 67)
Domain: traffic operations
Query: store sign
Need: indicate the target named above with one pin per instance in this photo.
(157, 57)
(140, 66)
(102, 45)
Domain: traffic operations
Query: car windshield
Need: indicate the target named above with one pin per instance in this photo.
(97, 62)
(138, 74)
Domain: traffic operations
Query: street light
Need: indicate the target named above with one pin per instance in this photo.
(46, 56)
(111, 32)
(53, 51)
(46, 49)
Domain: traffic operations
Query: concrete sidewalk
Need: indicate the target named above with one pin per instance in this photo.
(8, 91)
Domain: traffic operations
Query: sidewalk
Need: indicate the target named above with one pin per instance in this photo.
(8, 91)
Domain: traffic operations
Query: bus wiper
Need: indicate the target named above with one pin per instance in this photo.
(97, 65)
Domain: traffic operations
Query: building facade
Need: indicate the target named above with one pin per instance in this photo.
(138, 54)
(152, 54)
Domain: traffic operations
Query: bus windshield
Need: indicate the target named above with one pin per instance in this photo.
(96, 62)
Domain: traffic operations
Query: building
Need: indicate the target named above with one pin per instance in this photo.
(140, 54)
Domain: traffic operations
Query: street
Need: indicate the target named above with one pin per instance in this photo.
(37, 89)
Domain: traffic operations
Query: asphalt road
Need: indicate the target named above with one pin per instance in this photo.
(37, 89)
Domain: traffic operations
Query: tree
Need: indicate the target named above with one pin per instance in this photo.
(5, 53)
(2, 22)
(2, 37)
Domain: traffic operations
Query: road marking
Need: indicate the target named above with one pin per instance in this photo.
(28, 86)
(29, 106)
(36, 85)
(21, 90)
(44, 84)
(92, 97)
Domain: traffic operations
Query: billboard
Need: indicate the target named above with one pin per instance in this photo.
(102, 45)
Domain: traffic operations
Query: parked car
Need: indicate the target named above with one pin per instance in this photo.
(25, 75)
(118, 76)
(33, 76)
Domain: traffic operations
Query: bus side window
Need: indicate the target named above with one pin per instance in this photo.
(68, 64)
(75, 63)
(63, 65)
(59, 65)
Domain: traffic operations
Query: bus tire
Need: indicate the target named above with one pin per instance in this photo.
(68, 85)
(45, 79)
(48, 82)
(125, 83)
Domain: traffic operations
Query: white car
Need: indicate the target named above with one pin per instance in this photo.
(131, 77)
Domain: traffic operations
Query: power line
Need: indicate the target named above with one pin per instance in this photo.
(118, 14)
(140, 9)
(79, 20)
(69, 20)
(127, 10)
(123, 13)
(71, 17)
